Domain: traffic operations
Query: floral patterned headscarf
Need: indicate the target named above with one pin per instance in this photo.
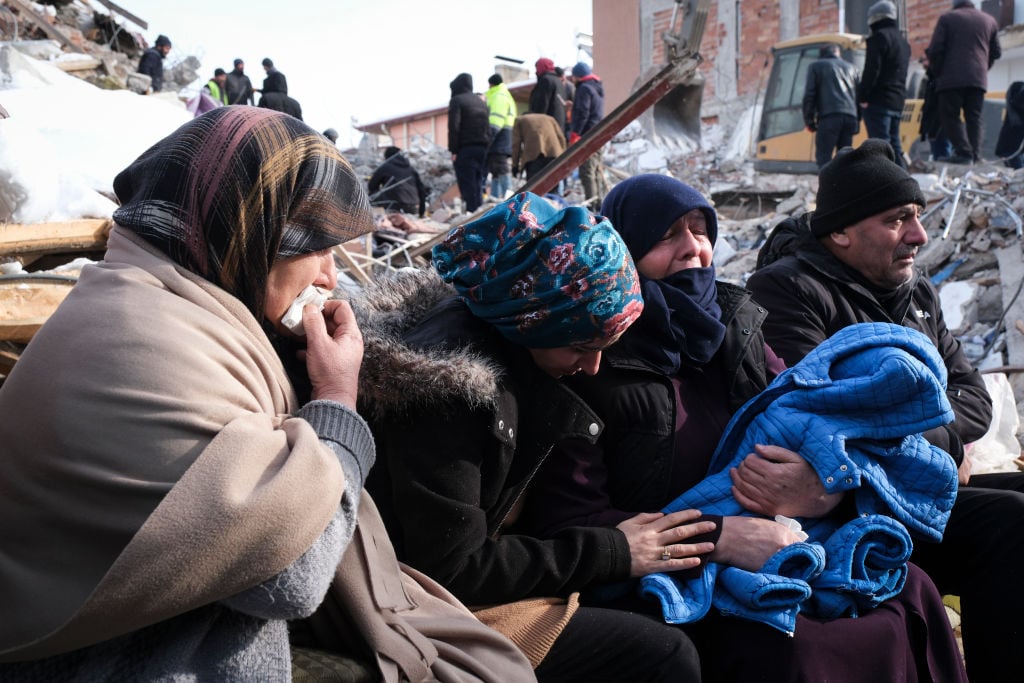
(544, 277)
(238, 188)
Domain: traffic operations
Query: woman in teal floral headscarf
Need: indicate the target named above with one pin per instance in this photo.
(462, 386)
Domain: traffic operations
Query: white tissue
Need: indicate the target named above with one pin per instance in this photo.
(292, 318)
(792, 525)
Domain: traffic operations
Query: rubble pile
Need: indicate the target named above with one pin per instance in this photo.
(91, 44)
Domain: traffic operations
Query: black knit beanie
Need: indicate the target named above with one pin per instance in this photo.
(859, 183)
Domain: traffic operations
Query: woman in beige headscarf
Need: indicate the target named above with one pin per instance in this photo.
(182, 474)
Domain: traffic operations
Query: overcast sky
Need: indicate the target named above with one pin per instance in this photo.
(368, 59)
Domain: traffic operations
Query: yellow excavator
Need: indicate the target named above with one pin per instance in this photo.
(784, 145)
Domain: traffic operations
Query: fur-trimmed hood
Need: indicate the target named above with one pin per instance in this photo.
(397, 376)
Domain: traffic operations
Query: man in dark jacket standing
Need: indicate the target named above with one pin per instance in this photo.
(397, 186)
(152, 62)
(548, 95)
(238, 85)
(830, 103)
(883, 84)
(964, 46)
(469, 135)
(587, 111)
(856, 264)
(275, 96)
(275, 80)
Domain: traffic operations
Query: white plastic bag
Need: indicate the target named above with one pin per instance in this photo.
(999, 448)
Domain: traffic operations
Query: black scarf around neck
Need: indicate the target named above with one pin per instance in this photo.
(680, 323)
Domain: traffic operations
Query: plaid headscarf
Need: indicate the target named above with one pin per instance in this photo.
(236, 189)
(544, 277)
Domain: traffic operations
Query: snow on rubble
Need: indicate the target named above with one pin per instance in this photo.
(66, 139)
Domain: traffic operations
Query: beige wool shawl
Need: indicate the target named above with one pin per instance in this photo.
(149, 463)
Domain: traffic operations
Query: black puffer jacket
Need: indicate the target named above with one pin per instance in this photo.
(811, 295)
(468, 116)
(884, 81)
(397, 186)
(152, 64)
(462, 420)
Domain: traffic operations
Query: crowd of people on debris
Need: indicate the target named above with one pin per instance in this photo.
(564, 451)
(226, 87)
(486, 136)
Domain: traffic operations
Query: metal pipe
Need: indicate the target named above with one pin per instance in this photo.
(952, 211)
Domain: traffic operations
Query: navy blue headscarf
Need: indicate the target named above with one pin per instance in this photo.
(681, 318)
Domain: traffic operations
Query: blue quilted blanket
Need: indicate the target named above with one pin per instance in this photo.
(854, 408)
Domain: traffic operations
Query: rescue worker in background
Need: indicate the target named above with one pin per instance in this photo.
(503, 116)
(548, 95)
(964, 46)
(469, 136)
(587, 112)
(238, 85)
(215, 86)
(152, 62)
(830, 103)
(883, 85)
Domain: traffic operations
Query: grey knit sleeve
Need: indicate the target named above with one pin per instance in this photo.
(298, 590)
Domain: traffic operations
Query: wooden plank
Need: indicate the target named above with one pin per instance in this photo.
(1011, 272)
(87, 234)
(351, 267)
(40, 21)
(123, 12)
(26, 304)
(21, 331)
(86, 63)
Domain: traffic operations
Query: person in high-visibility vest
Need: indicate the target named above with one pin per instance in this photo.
(215, 86)
(502, 117)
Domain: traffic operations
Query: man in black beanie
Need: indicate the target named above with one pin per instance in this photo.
(853, 262)
(238, 85)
